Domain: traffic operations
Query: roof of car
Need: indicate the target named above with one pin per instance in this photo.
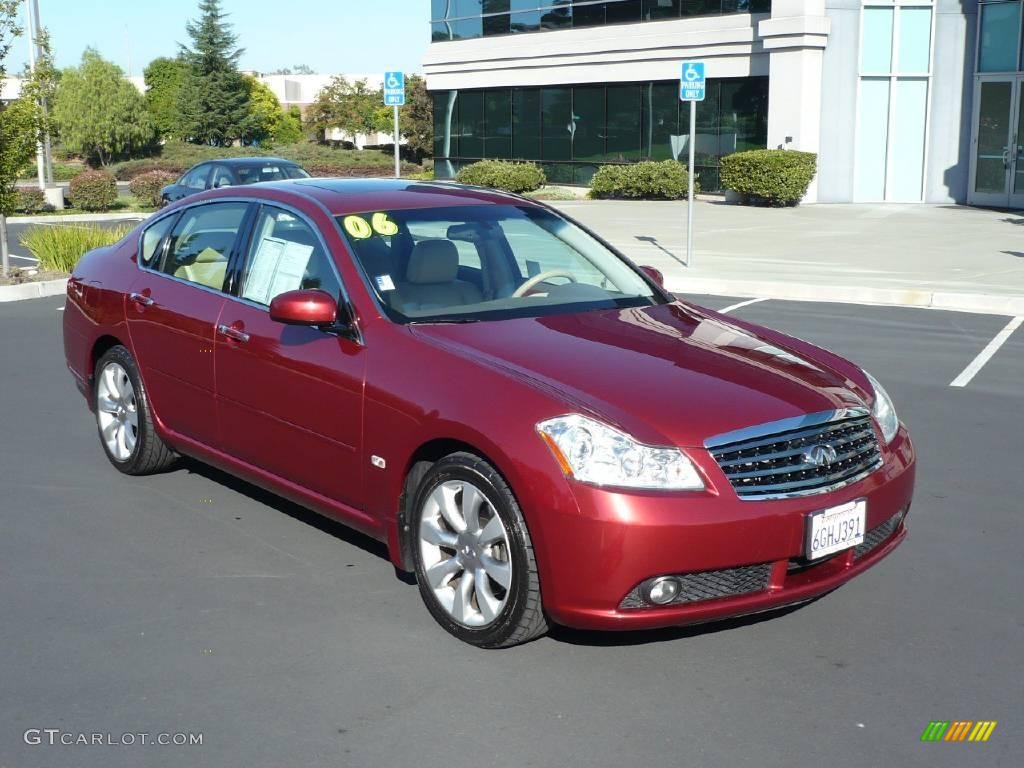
(343, 196)
(252, 161)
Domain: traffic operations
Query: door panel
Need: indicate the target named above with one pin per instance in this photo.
(1017, 152)
(290, 397)
(172, 339)
(997, 175)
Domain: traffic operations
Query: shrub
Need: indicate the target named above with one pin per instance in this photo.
(667, 180)
(146, 186)
(59, 248)
(129, 169)
(31, 201)
(769, 176)
(504, 175)
(93, 191)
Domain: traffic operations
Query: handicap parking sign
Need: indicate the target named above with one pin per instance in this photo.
(691, 81)
(394, 89)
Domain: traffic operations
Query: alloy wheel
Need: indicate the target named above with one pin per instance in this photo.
(465, 552)
(117, 411)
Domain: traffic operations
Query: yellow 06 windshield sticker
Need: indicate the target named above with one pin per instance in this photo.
(360, 229)
(357, 227)
(382, 225)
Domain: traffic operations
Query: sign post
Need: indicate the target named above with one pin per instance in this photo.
(394, 96)
(692, 85)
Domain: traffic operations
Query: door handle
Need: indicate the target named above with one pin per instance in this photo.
(141, 299)
(233, 333)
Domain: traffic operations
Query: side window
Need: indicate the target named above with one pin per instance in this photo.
(201, 243)
(285, 255)
(221, 177)
(196, 178)
(152, 238)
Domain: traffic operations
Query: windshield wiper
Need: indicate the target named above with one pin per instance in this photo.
(445, 321)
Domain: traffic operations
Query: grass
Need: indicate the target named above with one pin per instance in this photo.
(125, 204)
(59, 248)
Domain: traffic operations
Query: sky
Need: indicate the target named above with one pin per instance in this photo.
(331, 36)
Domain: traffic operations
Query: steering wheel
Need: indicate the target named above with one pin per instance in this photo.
(536, 280)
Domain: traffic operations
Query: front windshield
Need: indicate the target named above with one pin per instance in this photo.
(487, 262)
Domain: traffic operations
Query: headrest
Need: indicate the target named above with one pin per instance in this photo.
(433, 261)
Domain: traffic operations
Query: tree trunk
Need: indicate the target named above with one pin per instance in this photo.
(5, 258)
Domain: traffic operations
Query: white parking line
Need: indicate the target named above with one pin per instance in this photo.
(731, 307)
(986, 354)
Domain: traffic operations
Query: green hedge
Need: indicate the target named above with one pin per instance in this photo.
(146, 186)
(504, 175)
(31, 201)
(667, 180)
(59, 248)
(93, 191)
(769, 176)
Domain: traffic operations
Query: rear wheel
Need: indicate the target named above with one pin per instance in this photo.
(474, 558)
(123, 416)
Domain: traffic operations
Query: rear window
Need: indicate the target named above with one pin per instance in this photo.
(252, 174)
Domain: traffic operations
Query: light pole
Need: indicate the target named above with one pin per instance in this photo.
(44, 164)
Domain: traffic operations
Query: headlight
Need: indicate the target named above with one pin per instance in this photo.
(595, 453)
(883, 410)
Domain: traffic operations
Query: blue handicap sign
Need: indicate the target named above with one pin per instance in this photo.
(691, 81)
(394, 89)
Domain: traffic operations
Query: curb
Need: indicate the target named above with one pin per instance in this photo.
(78, 218)
(38, 290)
(977, 303)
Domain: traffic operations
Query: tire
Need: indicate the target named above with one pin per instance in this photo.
(486, 613)
(124, 419)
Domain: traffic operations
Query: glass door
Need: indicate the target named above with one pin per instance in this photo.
(997, 159)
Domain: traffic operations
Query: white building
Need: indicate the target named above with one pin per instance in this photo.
(903, 100)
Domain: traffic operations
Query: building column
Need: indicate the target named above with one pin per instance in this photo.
(795, 37)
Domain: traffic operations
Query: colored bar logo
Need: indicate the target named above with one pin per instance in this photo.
(958, 730)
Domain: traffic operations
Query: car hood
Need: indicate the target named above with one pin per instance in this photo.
(665, 373)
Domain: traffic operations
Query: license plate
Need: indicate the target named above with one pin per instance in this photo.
(835, 529)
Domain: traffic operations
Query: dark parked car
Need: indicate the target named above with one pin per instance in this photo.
(530, 422)
(231, 172)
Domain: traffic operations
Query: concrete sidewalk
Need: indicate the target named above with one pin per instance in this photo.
(949, 257)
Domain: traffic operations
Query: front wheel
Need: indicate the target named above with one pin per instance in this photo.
(474, 558)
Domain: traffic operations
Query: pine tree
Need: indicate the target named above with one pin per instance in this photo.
(214, 97)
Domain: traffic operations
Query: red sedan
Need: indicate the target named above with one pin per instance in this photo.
(530, 422)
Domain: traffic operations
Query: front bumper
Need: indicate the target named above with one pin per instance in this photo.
(619, 539)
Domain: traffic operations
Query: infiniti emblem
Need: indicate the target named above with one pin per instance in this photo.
(821, 455)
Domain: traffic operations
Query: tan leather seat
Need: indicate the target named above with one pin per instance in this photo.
(208, 269)
(431, 280)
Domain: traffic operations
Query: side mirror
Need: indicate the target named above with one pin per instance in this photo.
(655, 275)
(306, 307)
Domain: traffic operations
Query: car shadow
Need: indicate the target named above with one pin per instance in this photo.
(597, 639)
(295, 511)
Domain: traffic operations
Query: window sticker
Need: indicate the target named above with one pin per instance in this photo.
(277, 266)
(382, 225)
(357, 227)
(384, 283)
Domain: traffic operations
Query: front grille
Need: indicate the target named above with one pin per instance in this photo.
(877, 535)
(772, 461)
(708, 585)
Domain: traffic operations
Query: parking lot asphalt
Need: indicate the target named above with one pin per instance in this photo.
(192, 602)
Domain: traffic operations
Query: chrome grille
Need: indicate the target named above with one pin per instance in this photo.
(772, 461)
(707, 585)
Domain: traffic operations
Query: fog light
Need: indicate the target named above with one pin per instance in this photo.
(662, 590)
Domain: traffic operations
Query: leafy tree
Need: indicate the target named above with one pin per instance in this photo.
(298, 69)
(269, 122)
(214, 96)
(352, 107)
(164, 77)
(17, 130)
(99, 114)
(417, 117)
